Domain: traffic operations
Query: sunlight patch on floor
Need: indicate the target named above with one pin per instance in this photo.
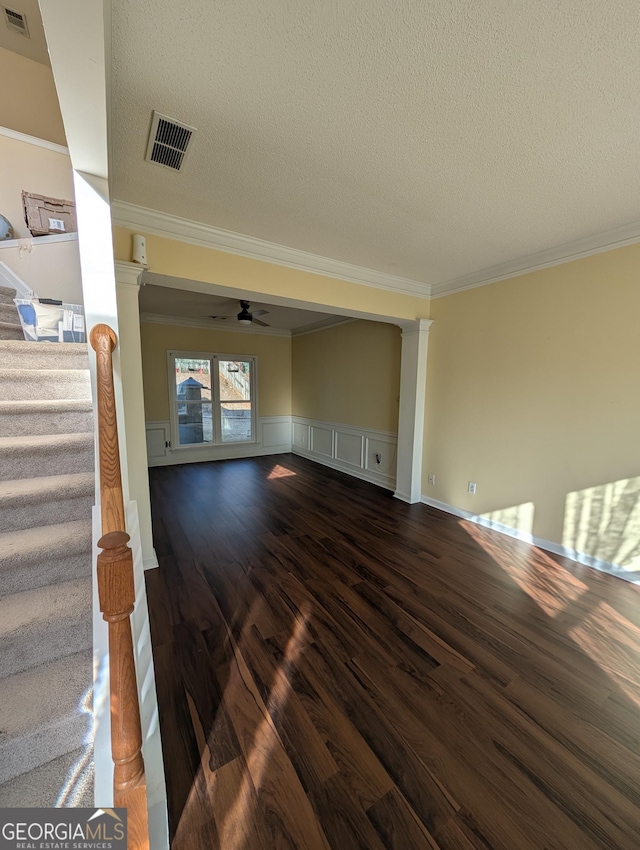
(280, 472)
(548, 584)
(265, 738)
(611, 641)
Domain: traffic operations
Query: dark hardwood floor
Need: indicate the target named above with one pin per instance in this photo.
(337, 669)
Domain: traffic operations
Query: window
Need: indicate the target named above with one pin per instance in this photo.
(213, 398)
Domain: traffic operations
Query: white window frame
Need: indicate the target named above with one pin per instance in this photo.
(216, 404)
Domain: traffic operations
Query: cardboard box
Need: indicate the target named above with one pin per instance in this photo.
(45, 216)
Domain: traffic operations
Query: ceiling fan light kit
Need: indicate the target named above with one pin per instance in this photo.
(244, 316)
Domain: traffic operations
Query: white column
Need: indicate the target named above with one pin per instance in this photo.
(129, 364)
(413, 386)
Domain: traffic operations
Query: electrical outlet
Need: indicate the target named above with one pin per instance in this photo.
(432, 478)
(472, 488)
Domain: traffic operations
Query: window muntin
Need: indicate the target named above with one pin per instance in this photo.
(213, 398)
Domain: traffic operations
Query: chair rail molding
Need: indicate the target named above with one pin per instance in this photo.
(413, 388)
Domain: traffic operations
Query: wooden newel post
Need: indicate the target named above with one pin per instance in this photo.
(117, 597)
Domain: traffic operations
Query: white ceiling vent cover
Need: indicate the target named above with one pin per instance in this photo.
(169, 141)
(16, 21)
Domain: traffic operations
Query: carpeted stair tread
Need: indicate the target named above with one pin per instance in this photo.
(65, 538)
(10, 332)
(7, 292)
(48, 554)
(34, 730)
(32, 502)
(45, 455)
(8, 312)
(26, 384)
(46, 785)
(40, 625)
(20, 354)
(45, 416)
(32, 490)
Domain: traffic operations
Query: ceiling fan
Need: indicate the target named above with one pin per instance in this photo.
(245, 317)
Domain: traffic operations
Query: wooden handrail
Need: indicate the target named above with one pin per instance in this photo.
(116, 592)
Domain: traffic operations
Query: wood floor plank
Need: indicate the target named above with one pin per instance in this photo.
(337, 670)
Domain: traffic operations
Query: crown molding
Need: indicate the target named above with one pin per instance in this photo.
(169, 226)
(210, 324)
(33, 140)
(607, 240)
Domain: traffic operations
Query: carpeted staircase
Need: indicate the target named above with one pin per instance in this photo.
(46, 494)
(10, 327)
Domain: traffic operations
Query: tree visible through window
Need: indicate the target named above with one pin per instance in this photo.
(213, 398)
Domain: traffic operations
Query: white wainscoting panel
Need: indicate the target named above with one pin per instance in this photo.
(384, 448)
(300, 434)
(158, 435)
(276, 434)
(274, 437)
(348, 449)
(321, 441)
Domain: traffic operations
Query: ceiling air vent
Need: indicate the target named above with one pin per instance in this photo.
(15, 21)
(169, 141)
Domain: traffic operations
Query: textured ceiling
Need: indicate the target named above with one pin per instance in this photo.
(428, 139)
(34, 47)
(166, 301)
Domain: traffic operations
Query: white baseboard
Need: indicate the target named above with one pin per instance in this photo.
(539, 542)
(150, 563)
(347, 449)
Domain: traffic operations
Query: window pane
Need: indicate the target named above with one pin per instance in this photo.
(236, 422)
(195, 422)
(193, 379)
(235, 380)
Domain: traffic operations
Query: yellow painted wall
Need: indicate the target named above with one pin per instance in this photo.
(28, 99)
(273, 353)
(194, 262)
(534, 393)
(348, 374)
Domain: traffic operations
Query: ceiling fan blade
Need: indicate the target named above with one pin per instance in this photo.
(259, 313)
(259, 322)
(222, 317)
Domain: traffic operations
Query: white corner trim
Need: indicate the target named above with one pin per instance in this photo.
(608, 240)
(533, 540)
(174, 227)
(33, 140)
(210, 324)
